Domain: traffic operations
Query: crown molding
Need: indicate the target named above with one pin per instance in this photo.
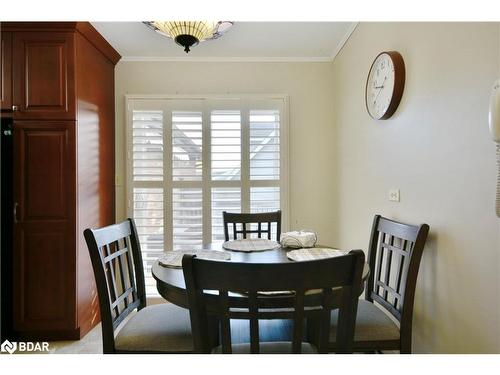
(246, 59)
(344, 40)
(226, 59)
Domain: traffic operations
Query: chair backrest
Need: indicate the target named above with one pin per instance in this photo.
(263, 220)
(394, 258)
(203, 277)
(117, 262)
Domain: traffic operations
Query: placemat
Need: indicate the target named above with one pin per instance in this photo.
(250, 244)
(314, 253)
(173, 259)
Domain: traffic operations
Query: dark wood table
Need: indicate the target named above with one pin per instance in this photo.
(170, 281)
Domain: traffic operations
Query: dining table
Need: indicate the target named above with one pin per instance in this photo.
(170, 281)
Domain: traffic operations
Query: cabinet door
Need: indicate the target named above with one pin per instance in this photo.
(44, 75)
(6, 70)
(44, 226)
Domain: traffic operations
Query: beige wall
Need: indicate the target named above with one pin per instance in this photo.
(311, 121)
(437, 150)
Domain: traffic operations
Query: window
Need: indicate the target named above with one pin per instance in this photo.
(190, 159)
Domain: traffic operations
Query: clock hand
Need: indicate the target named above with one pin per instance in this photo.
(380, 90)
(376, 96)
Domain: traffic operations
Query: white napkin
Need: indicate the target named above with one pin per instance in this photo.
(298, 239)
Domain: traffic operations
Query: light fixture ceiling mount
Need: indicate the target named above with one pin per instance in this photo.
(189, 33)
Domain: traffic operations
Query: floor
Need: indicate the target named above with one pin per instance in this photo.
(90, 344)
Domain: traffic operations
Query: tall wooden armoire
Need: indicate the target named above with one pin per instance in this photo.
(57, 86)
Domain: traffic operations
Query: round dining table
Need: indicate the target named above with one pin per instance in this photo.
(170, 281)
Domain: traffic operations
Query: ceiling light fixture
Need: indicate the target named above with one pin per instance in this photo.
(189, 33)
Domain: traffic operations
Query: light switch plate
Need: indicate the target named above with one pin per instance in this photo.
(394, 195)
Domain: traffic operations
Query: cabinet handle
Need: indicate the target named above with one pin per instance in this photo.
(15, 212)
(15, 108)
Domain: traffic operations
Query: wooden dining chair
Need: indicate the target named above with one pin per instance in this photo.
(395, 251)
(263, 221)
(128, 325)
(211, 286)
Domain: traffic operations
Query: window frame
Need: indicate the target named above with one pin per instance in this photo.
(243, 102)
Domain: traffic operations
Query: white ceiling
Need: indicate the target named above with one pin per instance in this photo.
(244, 41)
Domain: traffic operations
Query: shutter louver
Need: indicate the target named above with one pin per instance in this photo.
(147, 144)
(186, 146)
(264, 199)
(223, 199)
(264, 145)
(187, 218)
(226, 145)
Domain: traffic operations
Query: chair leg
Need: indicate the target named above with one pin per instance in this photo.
(405, 346)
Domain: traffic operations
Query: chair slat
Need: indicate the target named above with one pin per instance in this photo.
(253, 309)
(394, 248)
(225, 322)
(115, 254)
(399, 271)
(122, 297)
(112, 280)
(298, 321)
(131, 274)
(388, 265)
(324, 331)
(125, 284)
(380, 255)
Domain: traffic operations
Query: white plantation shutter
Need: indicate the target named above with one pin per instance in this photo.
(147, 200)
(191, 159)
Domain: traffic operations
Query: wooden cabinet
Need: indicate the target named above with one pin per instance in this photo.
(44, 166)
(62, 79)
(5, 71)
(44, 75)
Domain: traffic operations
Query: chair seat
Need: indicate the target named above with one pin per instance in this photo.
(269, 348)
(158, 328)
(372, 324)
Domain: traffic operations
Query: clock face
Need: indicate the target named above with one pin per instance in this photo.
(384, 87)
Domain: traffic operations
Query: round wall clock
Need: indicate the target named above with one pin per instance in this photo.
(384, 85)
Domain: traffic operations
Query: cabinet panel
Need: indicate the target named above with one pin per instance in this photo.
(42, 173)
(43, 277)
(6, 70)
(44, 225)
(43, 71)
